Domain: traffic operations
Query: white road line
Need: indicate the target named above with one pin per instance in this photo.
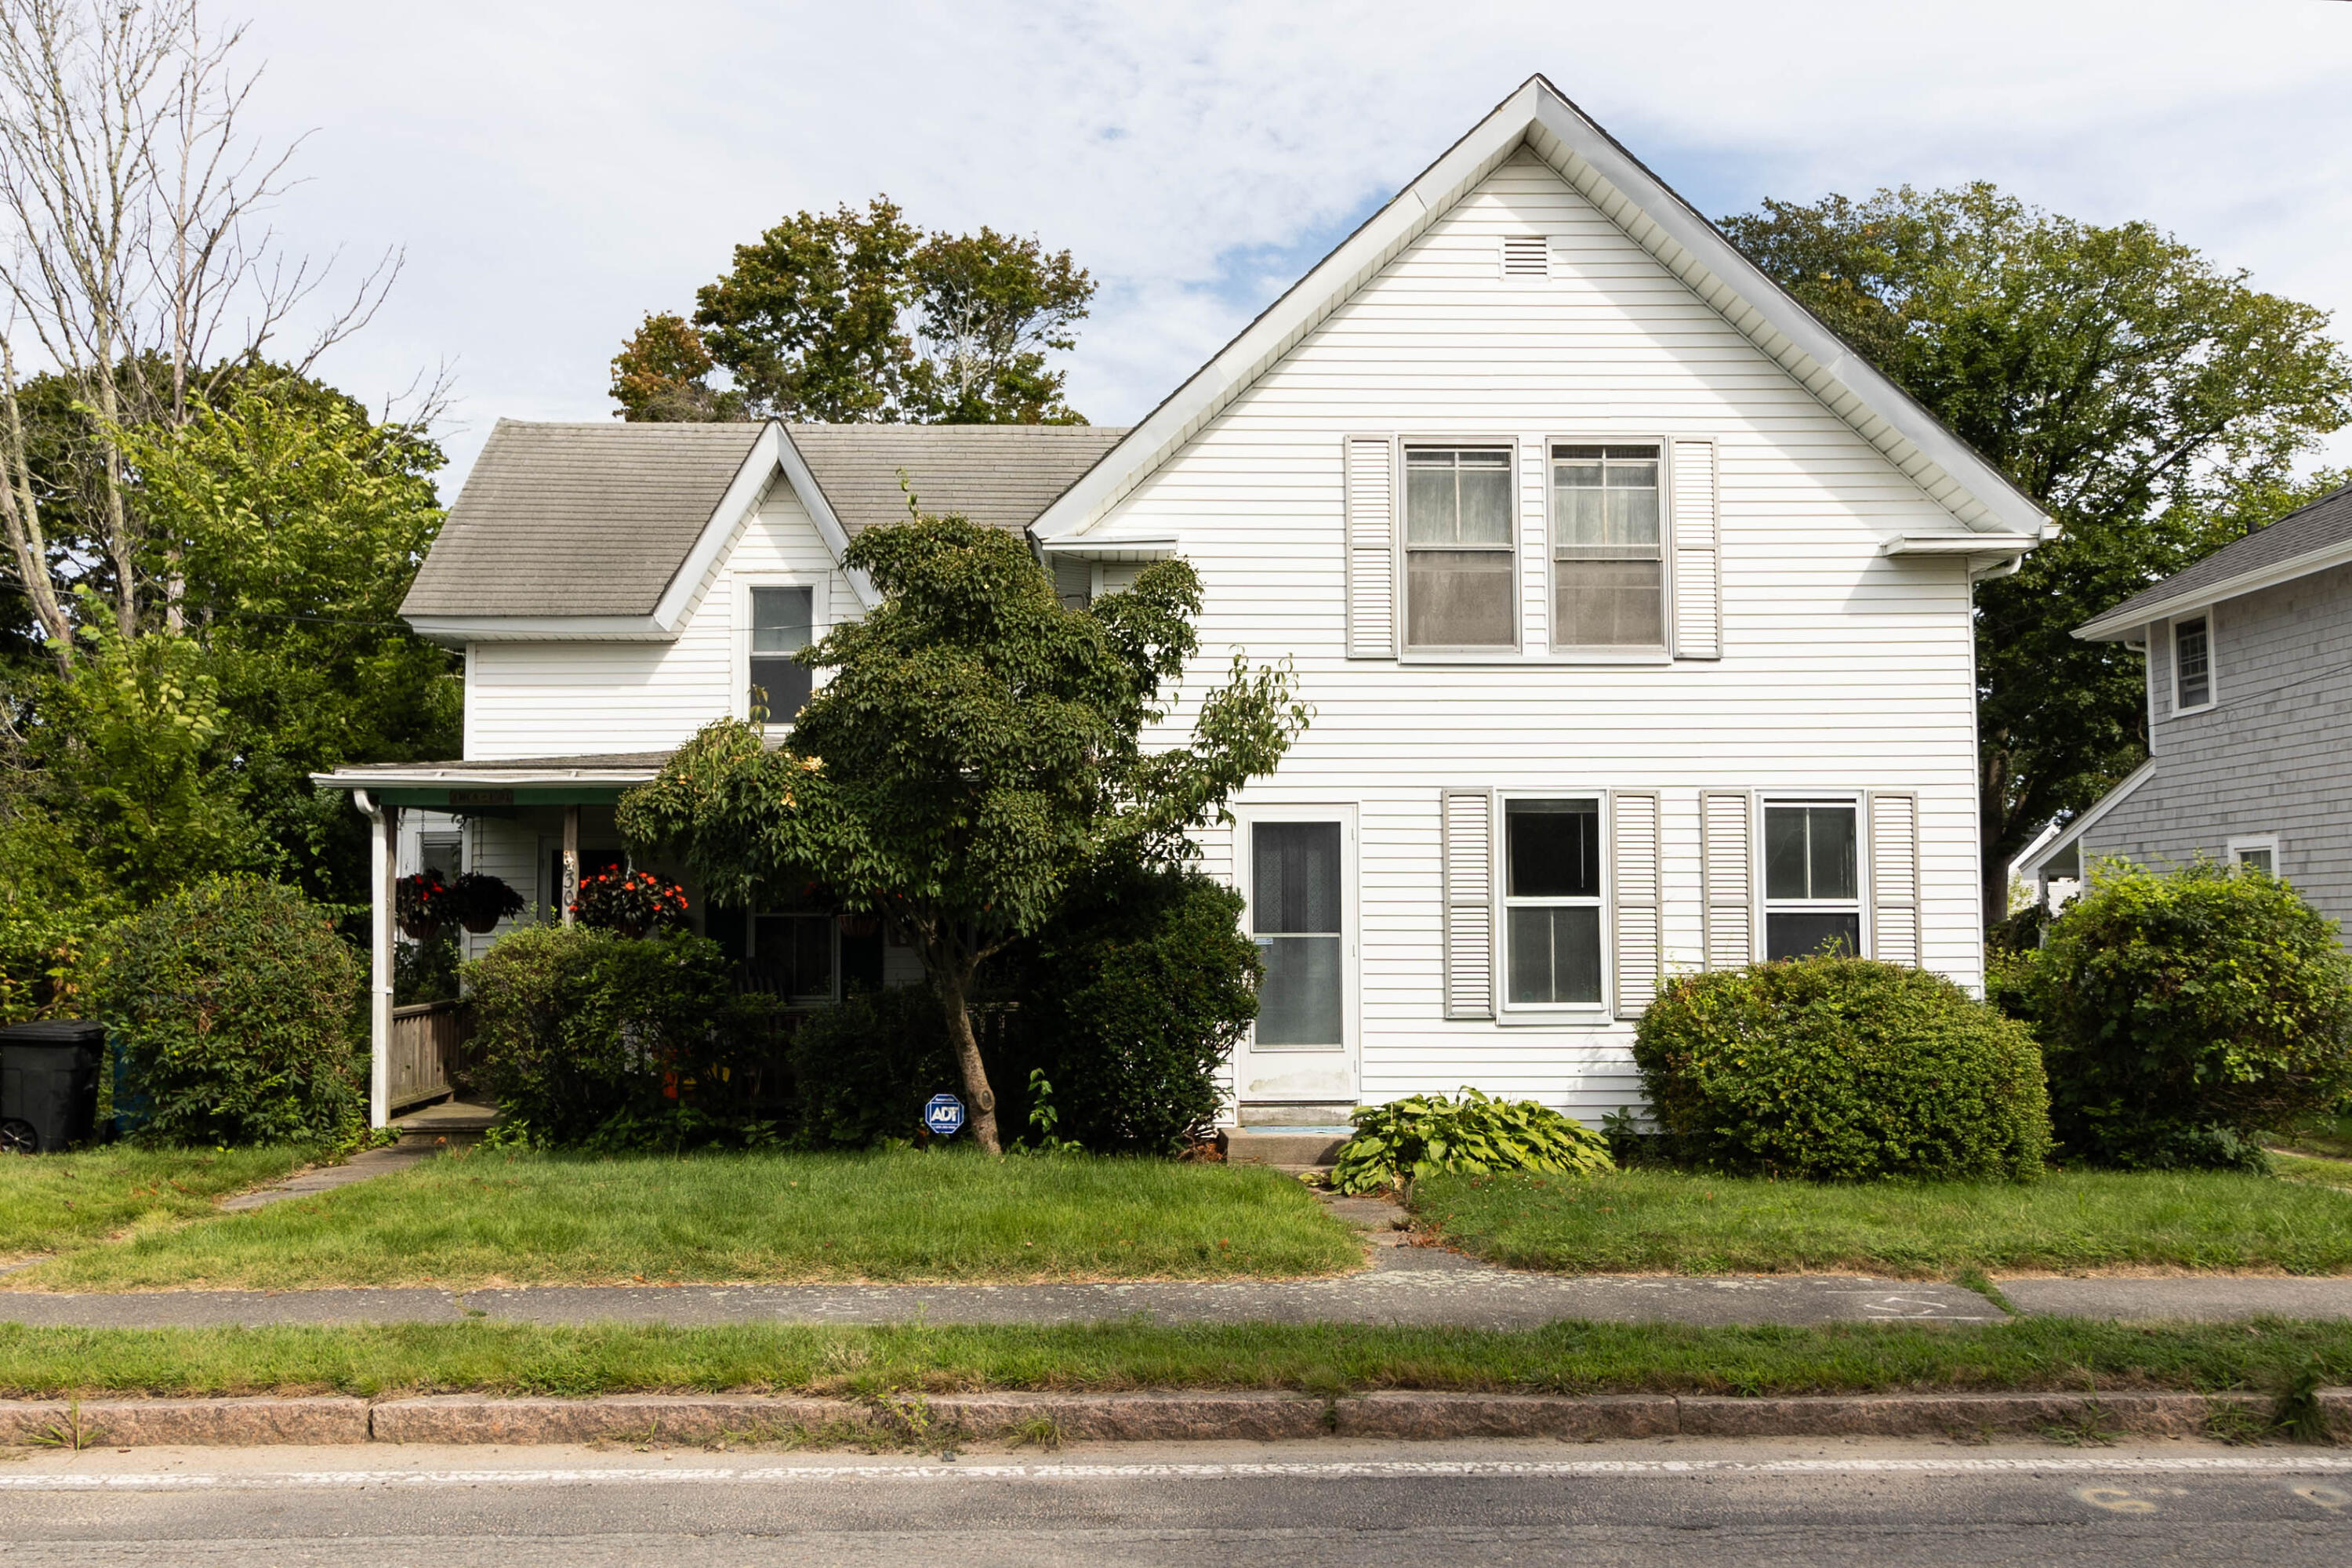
(1337, 1470)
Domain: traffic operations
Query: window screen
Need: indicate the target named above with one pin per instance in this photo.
(783, 624)
(1812, 883)
(2193, 663)
(1608, 582)
(1551, 902)
(1459, 561)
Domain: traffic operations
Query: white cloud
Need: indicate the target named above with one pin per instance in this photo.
(555, 170)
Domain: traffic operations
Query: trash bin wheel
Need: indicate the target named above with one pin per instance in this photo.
(19, 1137)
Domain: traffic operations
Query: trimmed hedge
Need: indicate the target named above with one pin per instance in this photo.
(2183, 1013)
(238, 1011)
(1842, 1069)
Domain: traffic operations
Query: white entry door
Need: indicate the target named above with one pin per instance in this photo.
(1296, 866)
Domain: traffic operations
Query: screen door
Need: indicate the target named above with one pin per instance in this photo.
(1298, 867)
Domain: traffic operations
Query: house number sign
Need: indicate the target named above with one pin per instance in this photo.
(943, 1114)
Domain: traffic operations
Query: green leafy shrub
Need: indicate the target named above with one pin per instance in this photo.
(238, 1011)
(861, 1071)
(1842, 1069)
(1129, 1000)
(2183, 1013)
(1476, 1135)
(426, 970)
(595, 1038)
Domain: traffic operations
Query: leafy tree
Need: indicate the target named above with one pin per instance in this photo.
(976, 746)
(808, 321)
(990, 306)
(850, 316)
(663, 375)
(2150, 400)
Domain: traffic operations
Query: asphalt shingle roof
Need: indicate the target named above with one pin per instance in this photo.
(2326, 522)
(595, 520)
(577, 520)
(999, 475)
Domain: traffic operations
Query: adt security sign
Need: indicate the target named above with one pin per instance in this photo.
(943, 1114)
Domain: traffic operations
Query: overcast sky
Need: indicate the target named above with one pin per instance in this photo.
(555, 170)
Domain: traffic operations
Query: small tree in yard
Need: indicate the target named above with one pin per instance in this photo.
(976, 745)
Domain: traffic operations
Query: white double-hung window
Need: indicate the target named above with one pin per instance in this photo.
(1607, 548)
(1461, 552)
(783, 622)
(1551, 902)
(2192, 664)
(1812, 878)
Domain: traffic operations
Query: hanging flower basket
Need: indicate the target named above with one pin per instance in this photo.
(860, 926)
(630, 902)
(482, 901)
(422, 904)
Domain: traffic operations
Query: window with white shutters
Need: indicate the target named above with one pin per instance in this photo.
(1608, 549)
(1813, 878)
(1726, 859)
(1467, 872)
(1697, 551)
(1894, 935)
(1370, 528)
(1461, 549)
(1634, 882)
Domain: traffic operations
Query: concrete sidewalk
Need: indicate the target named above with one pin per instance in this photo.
(1407, 1286)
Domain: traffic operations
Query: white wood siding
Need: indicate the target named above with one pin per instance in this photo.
(1840, 669)
(562, 699)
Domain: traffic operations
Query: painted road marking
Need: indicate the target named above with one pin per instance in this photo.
(1337, 1470)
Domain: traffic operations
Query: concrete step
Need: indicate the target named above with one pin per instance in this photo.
(1295, 1149)
(452, 1124)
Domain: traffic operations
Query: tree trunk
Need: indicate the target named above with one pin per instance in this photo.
(951, 989)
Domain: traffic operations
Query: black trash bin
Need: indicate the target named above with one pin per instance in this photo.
(49, 1085)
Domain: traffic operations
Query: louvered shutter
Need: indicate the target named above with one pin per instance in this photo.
(1468, 874)
(1634, 861)
(1894, 878)
(1699, 563)
(1372, 547)
(1726, 867)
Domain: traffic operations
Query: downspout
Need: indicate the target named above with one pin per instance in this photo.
(380, 865)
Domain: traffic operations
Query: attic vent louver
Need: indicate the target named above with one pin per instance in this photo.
(1526, 256)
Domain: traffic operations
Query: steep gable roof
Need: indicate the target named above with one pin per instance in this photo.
(577, 520)
(1541, 119)
(2309, 538)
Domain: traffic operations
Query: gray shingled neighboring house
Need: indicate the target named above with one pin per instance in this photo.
(2249, 659)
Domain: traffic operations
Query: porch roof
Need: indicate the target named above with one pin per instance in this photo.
(502, 784)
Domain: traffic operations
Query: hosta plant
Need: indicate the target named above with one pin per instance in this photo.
(1407, 1138)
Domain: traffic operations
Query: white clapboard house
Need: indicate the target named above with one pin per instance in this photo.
(1633, 607)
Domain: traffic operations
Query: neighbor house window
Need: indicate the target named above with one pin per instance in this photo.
(783, 622)
(2262, 854)
(2193, 663)
(1551, 902)
(1812, 885)
(1459, 561)
(1608, 570)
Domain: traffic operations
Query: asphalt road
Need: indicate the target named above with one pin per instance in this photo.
(1361, 1506)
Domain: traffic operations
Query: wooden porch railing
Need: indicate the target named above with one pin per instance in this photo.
(428, 1044)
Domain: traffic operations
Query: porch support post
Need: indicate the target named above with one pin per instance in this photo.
(571, 859)
(383, 869)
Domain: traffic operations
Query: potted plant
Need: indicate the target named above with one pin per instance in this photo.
(482, 901)
(630, 902)
(422, 904)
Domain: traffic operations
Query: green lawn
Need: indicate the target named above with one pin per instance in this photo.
(55, 1201)
(1644, 1221)
(1574, 1358)
(489, 1218)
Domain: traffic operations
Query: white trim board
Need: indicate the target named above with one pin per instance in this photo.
(2030, 868)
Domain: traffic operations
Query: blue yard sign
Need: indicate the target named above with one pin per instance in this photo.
(943, 1114)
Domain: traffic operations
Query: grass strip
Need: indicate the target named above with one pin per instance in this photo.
(903, 1215)
(72, 1200)
(1645, 1221)
(1569, 1357)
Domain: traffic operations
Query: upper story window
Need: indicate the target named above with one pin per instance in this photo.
(1812, 883)
(2193, 663)
(783, 621)
(1607, 571)
(1460, 558)
(1551, 902)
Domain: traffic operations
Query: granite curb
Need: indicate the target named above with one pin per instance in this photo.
(924, 1420)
